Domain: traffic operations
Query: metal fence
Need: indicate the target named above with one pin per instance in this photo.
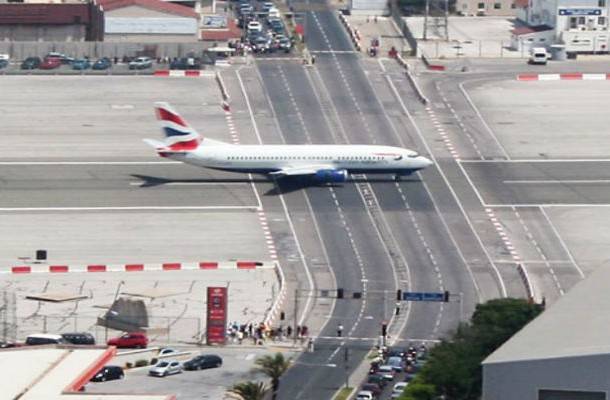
(402, 25)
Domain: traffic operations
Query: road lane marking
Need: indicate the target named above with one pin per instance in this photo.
(554, 181)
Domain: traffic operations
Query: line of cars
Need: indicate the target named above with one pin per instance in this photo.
(264, 30)
(396, 365)
(56, 60)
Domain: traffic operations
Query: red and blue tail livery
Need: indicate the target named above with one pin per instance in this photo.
(179, 135)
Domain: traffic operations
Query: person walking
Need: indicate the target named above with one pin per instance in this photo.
(340, 330)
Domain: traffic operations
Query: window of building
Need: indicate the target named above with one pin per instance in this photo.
(601, 21)
(601, 3)
(513, 6)
(582, 20)
(573, 22)
(481, 6)
(497, 6)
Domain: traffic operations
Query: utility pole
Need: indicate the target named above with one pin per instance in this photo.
(345, 360)
(426, 19)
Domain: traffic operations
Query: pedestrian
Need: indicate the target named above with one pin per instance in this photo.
(250, 329)
(240, 337)
(304, 331)
(340, 330)
(375, 18)
(289, 331)
(298, 332)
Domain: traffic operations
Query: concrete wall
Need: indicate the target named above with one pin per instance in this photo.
(68, 33)
(149, 38)
(522, 380)
(135, 11)
(21, 50)
(471, 7)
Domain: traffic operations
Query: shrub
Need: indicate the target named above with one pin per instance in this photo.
(141, 363)
(128, 365)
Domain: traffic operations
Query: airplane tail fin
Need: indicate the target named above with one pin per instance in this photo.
(179, 135)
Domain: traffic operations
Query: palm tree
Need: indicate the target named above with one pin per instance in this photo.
(273, 366)
(250, 390)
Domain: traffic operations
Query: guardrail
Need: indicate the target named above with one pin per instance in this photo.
(529, 288)
(279, 300)
(430, 66)
(353, 33)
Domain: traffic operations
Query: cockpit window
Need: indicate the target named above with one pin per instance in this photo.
(398, 158)
(413, 155)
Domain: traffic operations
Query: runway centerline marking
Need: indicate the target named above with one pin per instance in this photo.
(190, 183)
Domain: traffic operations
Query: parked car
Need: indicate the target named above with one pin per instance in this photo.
(102, 63)
(165, 351)
(203, 361)
(398, 389)
(78, 337)
(50, 63)
(3, 63)
(108, 373)
(62, 57)
(141, 63)
(164, 368)
(185, 63)
(7, 345)
(373, 388)
(364, 395)
(44, 338)
(81, 64)
(31, 63)
(137, 340)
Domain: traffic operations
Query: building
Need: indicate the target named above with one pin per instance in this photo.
(57, 373)
(148, 21)
(51, 22)
(580, 25)
(564, 354)
(495, 8)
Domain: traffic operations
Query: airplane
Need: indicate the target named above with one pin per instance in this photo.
(323, 163)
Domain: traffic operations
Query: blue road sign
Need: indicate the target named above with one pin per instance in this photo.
(423, 296)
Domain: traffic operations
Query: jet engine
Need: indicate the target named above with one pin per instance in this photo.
(331, 175)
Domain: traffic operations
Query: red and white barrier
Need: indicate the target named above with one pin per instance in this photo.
(187, 73)
(95, 268)
(564, 77)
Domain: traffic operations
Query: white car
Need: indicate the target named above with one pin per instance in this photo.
(274, 12)
(387, 372)
(164, 368)
(364, 395)
(255, 26)
(398, 389)
(165, 351)
(141, 63)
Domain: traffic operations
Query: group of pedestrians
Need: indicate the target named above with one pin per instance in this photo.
(260, 333)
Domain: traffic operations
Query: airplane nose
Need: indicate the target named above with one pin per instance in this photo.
(426, 162)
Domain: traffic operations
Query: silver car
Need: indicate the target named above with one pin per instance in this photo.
(141, 63)
(164, 368)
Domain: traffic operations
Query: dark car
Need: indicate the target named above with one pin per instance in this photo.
(78, 338)
(81, 64)
(203, 361)
(376, 379)
(372, 387)
(102, 63)
(3, 63)
(108, 373)
(31, 63)
(185, 63)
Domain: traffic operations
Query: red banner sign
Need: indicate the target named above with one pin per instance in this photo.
(217, 315)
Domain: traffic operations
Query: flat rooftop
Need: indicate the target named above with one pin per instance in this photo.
(56, 372)
(576, 325)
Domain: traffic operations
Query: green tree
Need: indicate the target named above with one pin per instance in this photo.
(250, 390)
(274, 367)
(454, 366)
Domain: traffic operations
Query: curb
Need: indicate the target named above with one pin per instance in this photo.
(279, 300)
(564, 77)
(420, 94)
(95, 268)
(187, 73)
(223, 88)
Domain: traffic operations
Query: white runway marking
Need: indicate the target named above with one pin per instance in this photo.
(555, 181)
(189, 183)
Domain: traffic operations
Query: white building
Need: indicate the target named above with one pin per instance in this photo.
(581, 25)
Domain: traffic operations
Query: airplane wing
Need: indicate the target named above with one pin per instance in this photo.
(302, 171)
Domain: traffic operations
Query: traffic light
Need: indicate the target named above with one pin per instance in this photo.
(398, 295)
(340, 293)
(384, 329)
(446, 296)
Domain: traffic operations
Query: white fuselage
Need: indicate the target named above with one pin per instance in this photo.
(271, 158)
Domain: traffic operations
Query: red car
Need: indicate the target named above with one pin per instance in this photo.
(131, 340)
(50, 63)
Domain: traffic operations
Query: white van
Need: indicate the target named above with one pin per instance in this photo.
(44, 338)
(539, 55)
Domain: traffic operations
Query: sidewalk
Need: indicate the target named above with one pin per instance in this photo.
(384, 30)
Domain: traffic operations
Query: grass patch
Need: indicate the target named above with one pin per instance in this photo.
(344, 393)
